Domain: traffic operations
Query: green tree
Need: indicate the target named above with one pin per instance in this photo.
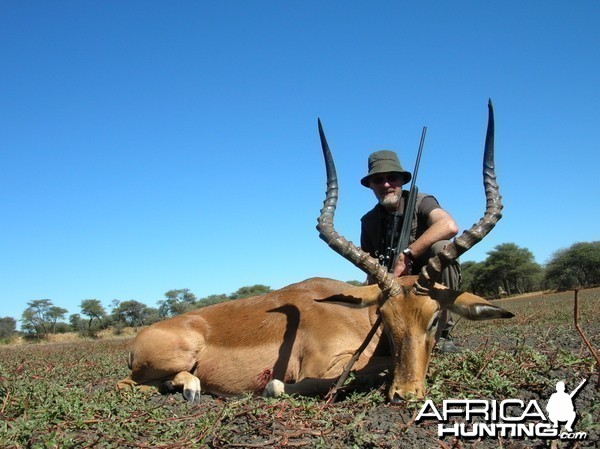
(471, 277)
(133, 313)
(41, 316)
(576, 266)
(356, 283)
(93, 309)
(56, 313)
(252, 290)
(76, 322)
(176, 302)
(151, 316)
(478, 278)
(212, 299)
(513, 269)
(8, 326)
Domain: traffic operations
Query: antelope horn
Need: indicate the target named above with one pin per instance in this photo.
(432, 271)
(339, 244)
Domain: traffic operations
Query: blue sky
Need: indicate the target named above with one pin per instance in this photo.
(148, 146)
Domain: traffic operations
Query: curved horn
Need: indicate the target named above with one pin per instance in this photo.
(432, 271)
(339, 244)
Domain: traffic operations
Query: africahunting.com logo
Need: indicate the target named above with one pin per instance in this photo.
(509, 418)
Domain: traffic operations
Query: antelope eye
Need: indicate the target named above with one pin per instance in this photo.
(433, 322)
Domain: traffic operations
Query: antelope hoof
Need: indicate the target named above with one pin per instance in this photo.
(397, 400)
(192, 390)
(189, 383)
(190, 395)
(274, 389)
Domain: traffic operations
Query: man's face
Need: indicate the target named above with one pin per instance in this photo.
(387, 188)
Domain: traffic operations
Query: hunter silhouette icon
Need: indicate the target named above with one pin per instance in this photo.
(560, 406)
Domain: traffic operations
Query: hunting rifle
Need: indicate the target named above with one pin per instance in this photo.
(409, 211)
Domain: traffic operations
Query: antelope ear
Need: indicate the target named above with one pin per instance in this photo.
(358, 297)
(468, 305)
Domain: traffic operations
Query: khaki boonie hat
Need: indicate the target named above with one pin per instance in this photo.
(385, 161)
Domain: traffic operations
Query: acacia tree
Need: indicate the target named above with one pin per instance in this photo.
(54, 314)
(134, 313)
(212, 299)
(356, 283)
(41, 316)
(576, 266)
(508, 269)
(513, 269)
(77, 324)
(476, 279)
(251, 290)
(8, 326)
(93, 309)
(176, 302)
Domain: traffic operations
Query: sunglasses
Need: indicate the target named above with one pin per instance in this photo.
(389, 178)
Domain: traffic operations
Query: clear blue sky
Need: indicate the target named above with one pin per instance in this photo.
(148, 146)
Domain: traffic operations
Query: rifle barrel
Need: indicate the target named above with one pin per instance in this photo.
(418, 161)
(410, 205)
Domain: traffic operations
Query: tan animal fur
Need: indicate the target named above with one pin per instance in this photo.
(302, 335)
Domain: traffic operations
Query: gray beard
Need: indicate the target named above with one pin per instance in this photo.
(390, 202)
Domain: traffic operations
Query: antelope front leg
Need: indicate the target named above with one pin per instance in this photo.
(188, 382)
(304, 387)
(314, 386)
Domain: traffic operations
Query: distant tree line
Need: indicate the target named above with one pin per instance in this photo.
(510, 269)
(42, 318)
(507, 270)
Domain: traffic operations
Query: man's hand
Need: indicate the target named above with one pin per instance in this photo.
(403, 266)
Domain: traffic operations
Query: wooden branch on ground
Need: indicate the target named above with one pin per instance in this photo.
(583, 337)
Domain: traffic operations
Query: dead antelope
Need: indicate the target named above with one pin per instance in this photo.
(299, 339)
